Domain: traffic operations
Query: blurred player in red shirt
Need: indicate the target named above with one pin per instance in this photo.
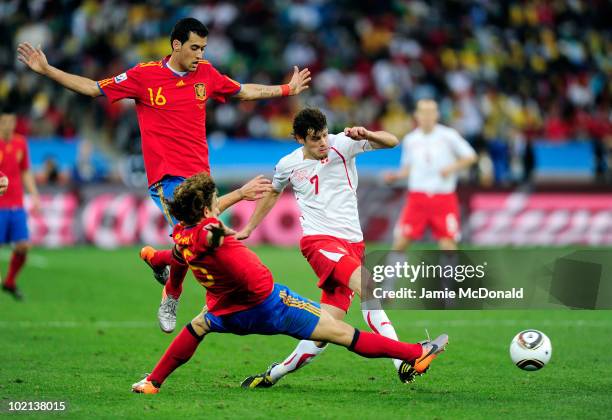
(242, 298)
(14, 165)
(171, 96)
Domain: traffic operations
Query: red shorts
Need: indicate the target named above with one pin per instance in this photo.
(438, 211)
(324, 253)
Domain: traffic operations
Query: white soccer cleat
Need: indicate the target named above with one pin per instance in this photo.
(166, 314)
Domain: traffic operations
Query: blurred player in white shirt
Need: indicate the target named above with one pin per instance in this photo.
(432, 155)
(324, 179)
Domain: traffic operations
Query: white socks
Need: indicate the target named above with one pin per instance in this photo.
(306, 350)
(301, 356)
(379, 323)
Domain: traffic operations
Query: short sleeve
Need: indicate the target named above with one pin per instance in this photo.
(281, 177)
(460, 145)
(223, 86)
(405, 160)
(124, 85)
(349, 147)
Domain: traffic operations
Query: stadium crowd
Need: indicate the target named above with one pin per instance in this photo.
(504, 73)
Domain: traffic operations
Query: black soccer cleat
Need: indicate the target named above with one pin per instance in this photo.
(408, 371)
(161, 274)
(13, 291)
(263, 380)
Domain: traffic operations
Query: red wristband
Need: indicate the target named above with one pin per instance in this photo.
(285, 89)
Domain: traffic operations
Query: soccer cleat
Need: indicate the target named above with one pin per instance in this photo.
(145, 387)
(405, 371)
(263, 380)
(13, 291)
(431, 349)
(161, 274)
(166, 314)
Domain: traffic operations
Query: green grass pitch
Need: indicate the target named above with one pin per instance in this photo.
(87, 330)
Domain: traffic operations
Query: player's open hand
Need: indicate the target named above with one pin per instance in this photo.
(32, 57)
(216, 233)
(299, 81)
(445, 172)
(243, 234)
(256, 188)
(390, 177)
(357, 133)
(4, 182)
(36, 206)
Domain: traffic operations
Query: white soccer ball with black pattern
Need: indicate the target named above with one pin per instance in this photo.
(530, 350)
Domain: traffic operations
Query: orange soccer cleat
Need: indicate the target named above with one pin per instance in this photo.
(431, 349)
(161, 274)
(145, 387)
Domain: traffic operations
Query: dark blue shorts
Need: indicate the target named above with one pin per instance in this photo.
(283, 312)
(13, 225)
(165, 189)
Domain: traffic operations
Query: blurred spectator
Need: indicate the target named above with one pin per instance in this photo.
(500, 70)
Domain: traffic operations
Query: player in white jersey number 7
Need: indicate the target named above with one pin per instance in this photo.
(323, 176)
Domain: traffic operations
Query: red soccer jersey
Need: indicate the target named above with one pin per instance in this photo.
(13, 161)
(234, 277)
(171, 113)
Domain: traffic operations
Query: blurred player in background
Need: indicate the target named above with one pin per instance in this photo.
(432, 155)
(242, 298)
(171, 96)
(323, 175)
(15, 165)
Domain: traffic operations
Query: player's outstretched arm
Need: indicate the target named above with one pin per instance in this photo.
(298, 84)
(263, 208)
(35, 59)
(403, 173)
(377, 139)
(27, 178)
(253, 190)
(459, 165)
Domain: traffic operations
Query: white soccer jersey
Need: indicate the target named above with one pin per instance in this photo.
(427, 154)
(326, 190)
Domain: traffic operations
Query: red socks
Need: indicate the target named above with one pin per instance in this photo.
(17, 261)
(174, 285)
(179, 352)
(162, 258)
(372, 345)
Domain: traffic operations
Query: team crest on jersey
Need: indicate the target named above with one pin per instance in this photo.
(300, 175)
(120, 77)
(200, 91)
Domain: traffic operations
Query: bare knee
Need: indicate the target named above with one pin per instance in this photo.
(400, 243)
(22, 247)
(447, 244)
(355, 281)
(199, 324)
(330, 330)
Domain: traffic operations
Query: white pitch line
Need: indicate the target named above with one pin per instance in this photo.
(78, 324)
(458, 323)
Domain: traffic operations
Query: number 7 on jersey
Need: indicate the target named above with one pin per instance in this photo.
(315, 180)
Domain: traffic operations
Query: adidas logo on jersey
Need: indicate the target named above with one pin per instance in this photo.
(180, 83)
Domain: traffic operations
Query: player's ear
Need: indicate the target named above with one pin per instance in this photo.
(176, 45)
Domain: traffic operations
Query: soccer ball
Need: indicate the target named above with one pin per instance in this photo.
(530, 349)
